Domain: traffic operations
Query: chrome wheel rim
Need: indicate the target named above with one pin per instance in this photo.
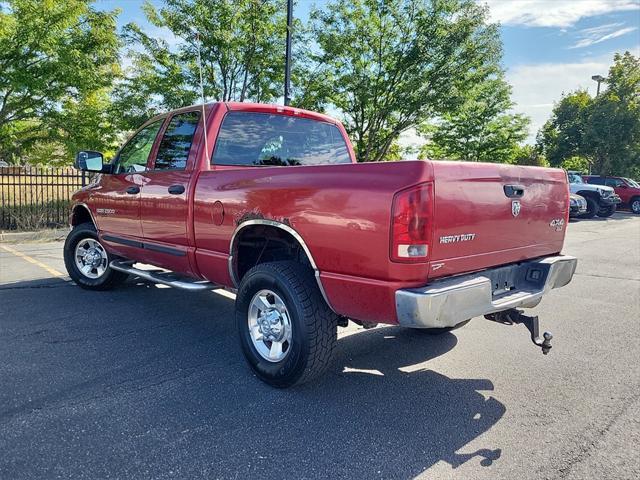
(635, 206)
(91, 258)
(269, 326)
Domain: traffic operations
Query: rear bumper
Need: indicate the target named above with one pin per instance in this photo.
(446, 303)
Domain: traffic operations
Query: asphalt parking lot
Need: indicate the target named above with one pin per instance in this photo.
(148, 382)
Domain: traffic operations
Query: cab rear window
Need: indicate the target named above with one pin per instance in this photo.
(259, 139)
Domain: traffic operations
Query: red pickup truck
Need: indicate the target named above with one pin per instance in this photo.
(271, 204)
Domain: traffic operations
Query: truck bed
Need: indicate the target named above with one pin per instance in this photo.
(343, 214)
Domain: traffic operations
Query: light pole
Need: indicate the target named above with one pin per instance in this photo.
(287, 58)
(599, 79)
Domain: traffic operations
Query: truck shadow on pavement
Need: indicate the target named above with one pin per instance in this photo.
(143, 381)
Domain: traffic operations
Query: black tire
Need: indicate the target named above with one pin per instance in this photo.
(313, 324)
(440, 331)
(109, 279)
(634, 205)
(592, 208)
(606, 212)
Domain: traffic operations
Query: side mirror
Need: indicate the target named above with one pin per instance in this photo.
(90, 161)
(623, 185)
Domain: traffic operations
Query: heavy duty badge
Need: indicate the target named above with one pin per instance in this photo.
(462, 237)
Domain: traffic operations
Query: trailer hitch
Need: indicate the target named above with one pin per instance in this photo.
(513, 316)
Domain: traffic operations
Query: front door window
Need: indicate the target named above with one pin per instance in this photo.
(134, 155)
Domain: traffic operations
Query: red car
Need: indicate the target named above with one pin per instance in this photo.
(627, 189)
(271, 203)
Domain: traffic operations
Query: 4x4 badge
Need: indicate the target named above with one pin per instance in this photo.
(515, 208)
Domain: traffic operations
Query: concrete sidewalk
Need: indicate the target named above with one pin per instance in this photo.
(47, 235)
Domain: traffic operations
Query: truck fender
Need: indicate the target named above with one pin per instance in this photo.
(81, 213)
(296, 237)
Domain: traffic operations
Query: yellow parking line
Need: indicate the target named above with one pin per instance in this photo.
(52, 271)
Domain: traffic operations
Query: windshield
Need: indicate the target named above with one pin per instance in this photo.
(632, 183)
(574, 178)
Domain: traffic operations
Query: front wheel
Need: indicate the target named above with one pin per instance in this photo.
(287, 331)
(87, 260)
(592, 208)
(605, 212)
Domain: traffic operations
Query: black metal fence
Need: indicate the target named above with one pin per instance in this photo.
(37, 197)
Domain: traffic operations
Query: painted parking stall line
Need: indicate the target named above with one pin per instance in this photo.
(33, 261)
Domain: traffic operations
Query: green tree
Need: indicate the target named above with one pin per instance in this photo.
(528, 155)
(241, 42)
(87, 123)
(612, 126)
(480, 129)
(562, 136)
(605, 131)
(51, 53)
(387, 66)
(576, 163)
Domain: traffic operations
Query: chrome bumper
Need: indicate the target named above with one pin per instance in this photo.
(610, 200)
(445, 303)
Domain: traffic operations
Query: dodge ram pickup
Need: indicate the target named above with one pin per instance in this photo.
(269, 202)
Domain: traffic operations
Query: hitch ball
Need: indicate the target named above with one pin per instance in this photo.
(546, 344)
(513, 316)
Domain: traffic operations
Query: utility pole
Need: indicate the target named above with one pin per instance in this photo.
(287, 59)
(599, 79)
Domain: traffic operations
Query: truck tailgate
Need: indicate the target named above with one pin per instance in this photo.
(492, 214)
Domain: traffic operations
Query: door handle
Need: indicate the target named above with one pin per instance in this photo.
(513, 191)
(133, 190)
(176, 189)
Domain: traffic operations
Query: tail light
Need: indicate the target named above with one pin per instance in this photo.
(410, 224)
(566, 215)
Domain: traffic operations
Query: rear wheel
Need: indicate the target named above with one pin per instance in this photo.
(592, 208)
(287, 331)
(635, 205)
(87, 260)
(605, 212)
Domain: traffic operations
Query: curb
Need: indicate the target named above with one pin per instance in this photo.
(37, 236)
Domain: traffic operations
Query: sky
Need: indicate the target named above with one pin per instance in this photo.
(551, 47)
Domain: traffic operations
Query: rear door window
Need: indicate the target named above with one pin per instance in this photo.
(175, 145)
(259, 139)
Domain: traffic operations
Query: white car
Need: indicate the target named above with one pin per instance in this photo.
(601, 200)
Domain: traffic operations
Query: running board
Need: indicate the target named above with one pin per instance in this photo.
(166, 278)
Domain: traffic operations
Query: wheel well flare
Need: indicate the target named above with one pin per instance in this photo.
(260, 242)
(81, 214)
